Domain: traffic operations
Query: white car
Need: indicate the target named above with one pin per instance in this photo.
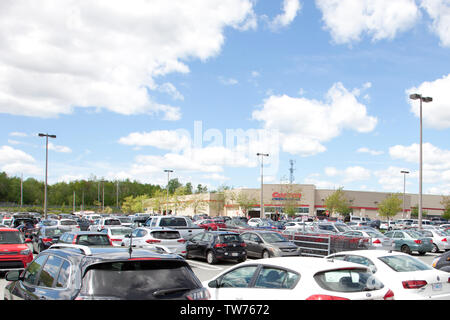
(297, 225)
(444, 226)
(441, 241)
(100, 224)
(408, 277)
(170, 239)
(117, 234)
(254, 222)
(389, 225)
(297, 278)
(68, 223)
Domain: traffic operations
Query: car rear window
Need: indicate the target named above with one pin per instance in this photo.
(93, 240)
(11, 237)
(112, 222)
(139, 280)
(68, 223)
(224, 238)
(173, 222)
(404, 263)
(165, 235)
(120, 231)
(347, 280)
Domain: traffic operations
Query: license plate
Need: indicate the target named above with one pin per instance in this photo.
(436, 286)
(234, 254)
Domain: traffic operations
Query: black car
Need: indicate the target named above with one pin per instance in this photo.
(267, 244)
(86, 238)
(442, 262)
(68, 272)
(216, 245)
(46, 236)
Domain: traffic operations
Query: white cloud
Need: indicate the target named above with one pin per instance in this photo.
(348, 20)
(57, 56)
(369, 151)
(290, 10)
(435, 114)
(171, 90)
(304, 124)
(15, 161)
(434, 158)
(439, 11)
(56, 148)
(162, 139)
(350, 174)
(18, 134)
(228, 81)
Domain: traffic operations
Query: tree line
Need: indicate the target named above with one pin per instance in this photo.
(93, 192)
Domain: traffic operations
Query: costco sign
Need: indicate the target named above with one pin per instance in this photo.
(286, 196)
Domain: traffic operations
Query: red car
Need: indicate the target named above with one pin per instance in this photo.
(213, 225)
(14, 252)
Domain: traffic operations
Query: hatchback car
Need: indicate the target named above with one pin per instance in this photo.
(407, 241)
(377, 239)
(46, 236)
(117, 234)
(169, 239)
(441, 241)
(216, 245)
(72, 272)
(86, 238)
(408, 277)
(442, 262)
(14, 251)
(267, 244)
(212, 225)
(297, 278)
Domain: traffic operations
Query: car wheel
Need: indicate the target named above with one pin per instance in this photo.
(211, 257)
(422, 253)
(265, 254)
(242, 259)
(435, 248)
(405, 249)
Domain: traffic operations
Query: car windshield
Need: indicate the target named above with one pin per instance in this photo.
(404, 263)
(173, 222)
(11, 237)
(375, 234)
(342, 227)
(348, 280)
(48, 223)
(125, 220)
(273, 237)
(112, 222)
(139, 280)
(120, 231)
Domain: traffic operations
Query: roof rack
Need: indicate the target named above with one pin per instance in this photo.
(85, 249)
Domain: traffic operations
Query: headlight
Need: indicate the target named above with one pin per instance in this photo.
(25, 252)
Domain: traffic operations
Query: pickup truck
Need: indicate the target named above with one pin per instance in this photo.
(184, 225)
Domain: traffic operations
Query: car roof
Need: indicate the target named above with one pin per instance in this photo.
(9, 229)
(86, 232)
(312, 264)
(372, 253)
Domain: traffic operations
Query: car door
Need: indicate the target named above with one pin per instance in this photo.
(233, 284)
(205, 243)
(26, 289)
(192, 245)
(257, 245)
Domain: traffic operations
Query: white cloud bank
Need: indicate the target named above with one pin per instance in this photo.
(59, 55)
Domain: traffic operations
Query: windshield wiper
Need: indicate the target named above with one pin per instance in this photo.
(163, 292)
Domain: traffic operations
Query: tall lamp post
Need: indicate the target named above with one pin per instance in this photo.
(167, 199)
(46, 135)
(404, 189)
(261, 212)
(419, 97)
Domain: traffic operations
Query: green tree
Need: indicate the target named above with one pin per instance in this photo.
(390, 206)
(415, 212)
(337, 202)
(244, 200)
(446, 203)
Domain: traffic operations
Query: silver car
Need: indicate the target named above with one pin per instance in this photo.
(267, 244)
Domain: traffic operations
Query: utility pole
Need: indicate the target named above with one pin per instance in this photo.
(291, 170)
(167, 199)
(261, 213)
(46, 135)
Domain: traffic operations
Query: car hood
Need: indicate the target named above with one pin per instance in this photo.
(285, 244)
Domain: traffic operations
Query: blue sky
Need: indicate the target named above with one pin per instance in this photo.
(127, 88)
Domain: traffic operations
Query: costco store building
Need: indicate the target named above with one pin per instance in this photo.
(307, 200)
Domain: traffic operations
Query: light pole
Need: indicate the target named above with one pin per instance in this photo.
(46, 135)
(416, 96)
(404, 189)
(261, 212)
(167, 199)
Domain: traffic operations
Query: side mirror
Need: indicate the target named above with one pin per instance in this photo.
(13, 275)
(213, 284)
(28, 240)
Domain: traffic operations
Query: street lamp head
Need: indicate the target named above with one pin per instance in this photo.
(415, 96)
(404, 171)
(427, 99)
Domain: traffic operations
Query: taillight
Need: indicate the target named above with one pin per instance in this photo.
(199, 294)
(220, 245)
(445, 239)
(377, 241)
(74, 240)
(243, 244)
(414, 284)
(47, 239)
(152, 241)
(181, 240)
(325, 297)
(116, 239)
(389, 295)
(418, 241)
